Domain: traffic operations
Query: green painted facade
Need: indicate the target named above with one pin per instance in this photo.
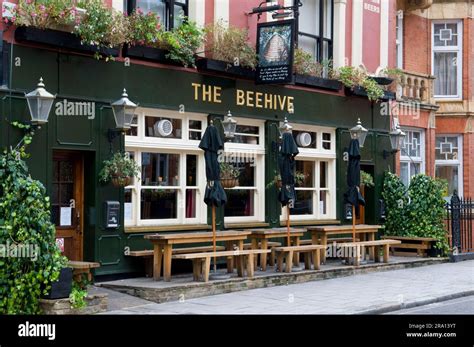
(80, 78)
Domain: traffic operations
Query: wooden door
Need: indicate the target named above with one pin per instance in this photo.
(67, 202)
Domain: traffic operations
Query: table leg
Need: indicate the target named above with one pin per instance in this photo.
(263, 256)
(157, 260)
(167, 262)
(371, 249)
(296, 255)
(229, 245)
(289, 260)
(240, 245)
(324, 242)
(254, 245)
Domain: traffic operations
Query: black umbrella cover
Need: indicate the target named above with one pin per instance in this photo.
(353, 196)
(212, 143)
(287, 163)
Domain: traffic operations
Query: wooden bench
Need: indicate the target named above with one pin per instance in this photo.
(330, 240)
(377, 245)
(202, 261)
(82, 267)
(147, 255)
(419, 245)
(308, 250)
(270, 244)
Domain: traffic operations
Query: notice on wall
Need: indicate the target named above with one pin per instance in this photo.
(60, 244)
(128, 211)
(65, 217)
(275, 42)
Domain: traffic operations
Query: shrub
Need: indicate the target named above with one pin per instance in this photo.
(230, 45)
(417, 211)
(45, 14)
(25, 220)
(353, 77)
(304, 64)
(144, 29)
(183, 42)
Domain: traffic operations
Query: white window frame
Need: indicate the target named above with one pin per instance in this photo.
(449, 49)
(399, 39)
(318, 155)
(453, 162)
(259, 152)
(143, 144)
(404, 158)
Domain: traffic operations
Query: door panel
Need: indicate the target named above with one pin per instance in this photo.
(67, 202)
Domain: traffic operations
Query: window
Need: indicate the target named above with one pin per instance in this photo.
(447, 59)
(245, 202)
(169, 11)
(412, 155)
(315, 28)
(172, 182)
(315, 164)
(399, 39)
(448, 164)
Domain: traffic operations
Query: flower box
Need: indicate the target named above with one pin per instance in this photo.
(360, 91)
(383, 81)
(60, 39)
(148, 53)
(62, 287)
(206, 64)
(318, 82)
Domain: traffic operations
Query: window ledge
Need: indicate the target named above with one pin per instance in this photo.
(154, 228)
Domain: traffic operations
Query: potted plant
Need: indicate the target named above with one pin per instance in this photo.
(299, 179)
(228, 51)
(62, 287)
(229, 175)
(120, 169)
(147, 40)
(309, 72)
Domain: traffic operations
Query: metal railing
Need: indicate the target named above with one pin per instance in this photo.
(460, 224)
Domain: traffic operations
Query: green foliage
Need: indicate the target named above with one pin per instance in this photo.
(366, 179)
(119, 166)
(144, 29)
(299, 179)
(45, 13)
(79, 293)
(418, 211)
(353, 77)
(230, 45)
(304, 64)
(228, 171)
(25, 221)
(183, 42)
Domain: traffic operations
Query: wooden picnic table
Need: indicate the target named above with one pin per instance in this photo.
(319, 234)
(163, 246)
(263, 235)
(82, 267)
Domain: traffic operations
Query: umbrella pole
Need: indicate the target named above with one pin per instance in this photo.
(288, 225)
(353, 224)
(214, 235)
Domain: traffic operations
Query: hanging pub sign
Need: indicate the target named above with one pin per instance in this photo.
(275, 46)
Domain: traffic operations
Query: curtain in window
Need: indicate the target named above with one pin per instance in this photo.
(445, 70)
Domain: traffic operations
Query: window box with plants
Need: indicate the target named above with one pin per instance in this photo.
(299, 180)
(120, 170)
(229, 175)
(310, 73)
(149, 41)
(228, 52)
(97, 29)
(357, 82)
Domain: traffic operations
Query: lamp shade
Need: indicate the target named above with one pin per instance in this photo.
(285, 127)
(396, 138)
(230, 125)
(40, 102)
(124, 110)
(359, 133)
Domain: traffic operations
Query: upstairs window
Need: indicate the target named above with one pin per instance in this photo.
(447, 59)
(170, 12)
(315, 28)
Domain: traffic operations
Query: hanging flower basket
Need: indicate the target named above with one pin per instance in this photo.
(121, 181)
(228, 183)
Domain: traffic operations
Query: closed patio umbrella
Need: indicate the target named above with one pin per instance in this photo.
(287, 195)
(353, 195)
(215, 195)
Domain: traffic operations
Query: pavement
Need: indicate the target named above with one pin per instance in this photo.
(463, 305)
(371, 293)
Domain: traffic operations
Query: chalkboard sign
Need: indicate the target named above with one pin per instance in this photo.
(112, 214)
(275, 49)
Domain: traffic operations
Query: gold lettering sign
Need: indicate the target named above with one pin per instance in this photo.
(248, 98)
